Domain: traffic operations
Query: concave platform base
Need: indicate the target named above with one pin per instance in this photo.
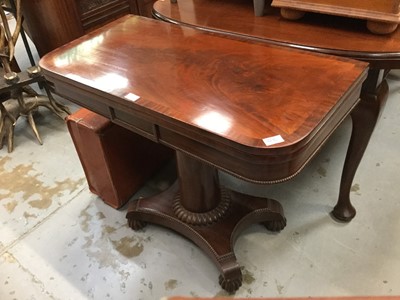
(215, 235)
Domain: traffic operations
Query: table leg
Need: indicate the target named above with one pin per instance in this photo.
(373, 97)
(208, 214)
(259, 6)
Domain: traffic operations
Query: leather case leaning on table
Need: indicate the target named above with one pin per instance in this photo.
(115, 160)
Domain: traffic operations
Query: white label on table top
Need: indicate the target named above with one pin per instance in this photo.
(269, 141)
(132, 97)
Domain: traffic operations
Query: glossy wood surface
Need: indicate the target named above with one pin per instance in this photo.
(225, 93)
(320, 33)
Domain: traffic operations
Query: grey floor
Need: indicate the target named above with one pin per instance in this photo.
(59, 241)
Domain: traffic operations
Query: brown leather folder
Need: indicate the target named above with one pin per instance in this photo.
(116, 161)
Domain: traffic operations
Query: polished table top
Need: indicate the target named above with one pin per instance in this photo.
(317, 32)
(237, 96)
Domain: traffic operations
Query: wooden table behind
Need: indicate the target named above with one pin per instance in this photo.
(340, 36)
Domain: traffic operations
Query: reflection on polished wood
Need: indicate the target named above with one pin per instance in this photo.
(257, 111)
(317, 33)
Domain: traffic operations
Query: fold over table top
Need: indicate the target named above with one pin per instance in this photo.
(255, 110)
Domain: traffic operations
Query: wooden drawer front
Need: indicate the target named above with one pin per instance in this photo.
(134, 123)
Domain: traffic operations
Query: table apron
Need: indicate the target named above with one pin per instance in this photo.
(267, 166)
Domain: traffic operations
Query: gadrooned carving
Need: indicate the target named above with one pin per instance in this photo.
(202, 218)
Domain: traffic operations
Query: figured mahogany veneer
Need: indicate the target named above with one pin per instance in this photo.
(318, 33)
(257, 111)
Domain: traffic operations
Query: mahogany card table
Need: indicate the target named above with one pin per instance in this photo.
(318, 33)
(256, 111)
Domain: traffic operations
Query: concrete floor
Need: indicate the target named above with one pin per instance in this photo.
(59, 241)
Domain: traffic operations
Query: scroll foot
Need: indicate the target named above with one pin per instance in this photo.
(136, 224)
(133, 222)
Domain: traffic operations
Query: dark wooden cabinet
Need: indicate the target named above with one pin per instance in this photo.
(145, 7)
(52, 23)
(94, 13)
